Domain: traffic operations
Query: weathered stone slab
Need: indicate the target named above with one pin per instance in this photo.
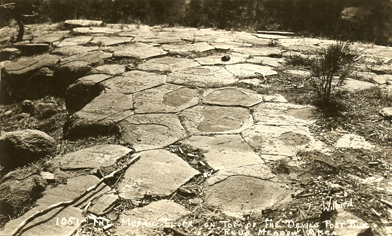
(280, 140)
(184, 49)
(382, 79)
(49, 38)
(151, 131)
(229, 45)
(110, 41)
(205, 76)
(26, 66)
(271, 36)
(284, 114)
(166, 98)
(239, 195)
(47, 224)
(83, 22)
(248, 70)
(386, 112)
(103, 203)
(260, 171)
(303, 73)
(215, 119)
(262, 51)
(9, 53)
(133, 81)
(67, 74)
(96, 157)
(80, 40)
(156, 214)
(232, 97)
(268, 61)
(95, 30)
(167, 64)
(274, 98)
(228, 59)
(73, 50)
(353, 141)
(139, 51)
(100, 116)
(224, 151)
(354, 225)
(109, 69)
(158, 172)
(93, 58)
(356, 85)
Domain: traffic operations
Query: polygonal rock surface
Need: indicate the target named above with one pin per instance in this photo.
(167, 64)
(72, 50)
(353, 141)
(151, 131)
(274, 98)
(66, 74)
(156, 214)
(263, 51)
(96, 157)
(186, 48)
(74, 41)
(233, 58)
(83, 91)
(93, 58)
(232, 97)
(133, 81)
(49, 38)
(280, 140)
(165, 98)
(100, 116)
(158, 172)
(206, 76)
(239, 195)
(109, 69)
(215, 119)
(21, 147)
(139, 51)
(242, 71)
(224, 151)
(268, 61)
(280, 114)
(382, 79)
(109, 41)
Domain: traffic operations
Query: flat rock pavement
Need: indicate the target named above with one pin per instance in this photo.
(178, 87)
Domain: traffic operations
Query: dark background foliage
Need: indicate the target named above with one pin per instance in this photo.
(363, 20)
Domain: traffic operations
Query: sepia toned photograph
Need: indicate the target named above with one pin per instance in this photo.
(195, 117)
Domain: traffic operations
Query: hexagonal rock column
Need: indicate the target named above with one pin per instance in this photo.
(99, 117)
(158, 172)
(83, 91)
(133, 81)
(151, 131)
(151, 218)
(215, 119)
(248, 70)
(166, 98)
(138, 50)
(239, 195)
(203, 76)
(232, 97)
(274, 141)
(167, 64)
(103, 157)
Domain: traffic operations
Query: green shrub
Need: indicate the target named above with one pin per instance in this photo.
(335, 63)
